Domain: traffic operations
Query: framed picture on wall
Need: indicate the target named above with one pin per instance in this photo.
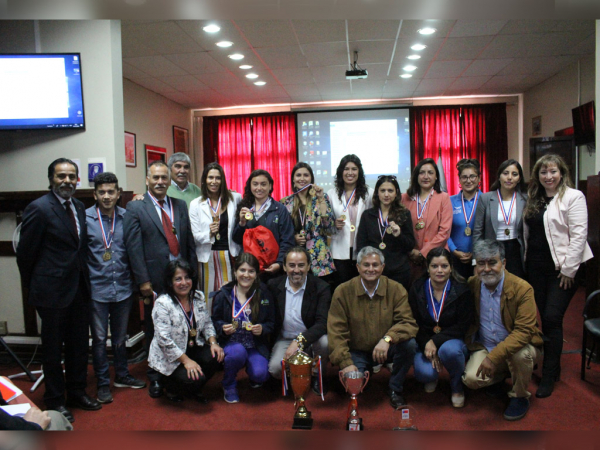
(130, 153)
(536, 126)
(181, 141)
(154, 153)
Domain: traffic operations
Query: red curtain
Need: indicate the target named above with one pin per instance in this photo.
(274, 139)
(235, 150)
(477, 131)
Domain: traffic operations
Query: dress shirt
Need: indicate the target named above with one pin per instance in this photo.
(62, 202)
(458, 240)
(491, 327)
(167, 207)
(110, 280)
(512, 224)
(292, 322)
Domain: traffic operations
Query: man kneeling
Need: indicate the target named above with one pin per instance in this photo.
(370, 322)
(505, 338)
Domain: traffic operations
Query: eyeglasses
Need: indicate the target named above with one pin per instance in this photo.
(393, 177)
(469, 177)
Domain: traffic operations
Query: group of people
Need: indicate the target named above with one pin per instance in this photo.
(369, 277)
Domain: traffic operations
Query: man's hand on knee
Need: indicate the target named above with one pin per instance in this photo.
(487, 369)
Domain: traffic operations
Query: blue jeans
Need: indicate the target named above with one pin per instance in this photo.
(400, 354)
(236, 357)
(118, 314)
(452, 355)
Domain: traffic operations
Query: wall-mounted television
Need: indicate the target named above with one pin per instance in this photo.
(41, 91)
(584, 124)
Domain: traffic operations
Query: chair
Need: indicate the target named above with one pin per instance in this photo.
(591, 326)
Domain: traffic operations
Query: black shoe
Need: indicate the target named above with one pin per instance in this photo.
(545, 388)
(155, 390)
(84, 402)
(129, 382)
(315, 386)
(495, 390)
(201, 398)
(65, 412)
(517, 408)
(177, 398)
(396, 399)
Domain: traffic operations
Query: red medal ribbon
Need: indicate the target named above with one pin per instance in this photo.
(512, 205)
(462, 199)
(437, 314)
(107, 240)
(422, 210)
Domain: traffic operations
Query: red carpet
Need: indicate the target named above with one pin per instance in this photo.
(575, 405)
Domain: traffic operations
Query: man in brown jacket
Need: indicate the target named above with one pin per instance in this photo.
(505, 339)
(370, 322)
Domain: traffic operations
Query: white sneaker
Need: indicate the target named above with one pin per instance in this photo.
(430, 387)
(458, 400)
(376, 368)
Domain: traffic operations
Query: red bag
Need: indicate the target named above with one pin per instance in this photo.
(261, 243)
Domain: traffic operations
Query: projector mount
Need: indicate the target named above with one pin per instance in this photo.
(356, 72)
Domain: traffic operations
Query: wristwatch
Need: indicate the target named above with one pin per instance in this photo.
(387, 339)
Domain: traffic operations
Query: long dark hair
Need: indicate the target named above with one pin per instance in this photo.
(250, 259)
(397, 211)
(361, 183)
(510, 162)
(414, 188)
(536, 192)
(224, 193)
(442, 252)
(296, 201)
(170, 273)
(248, 198)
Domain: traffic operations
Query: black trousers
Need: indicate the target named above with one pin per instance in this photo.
(345, 271)
(552, 303)
(179, 382)
(464, 270)
(514, 262)
(69, 327)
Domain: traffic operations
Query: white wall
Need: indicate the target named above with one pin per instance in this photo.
(151, 117)
(553, 100)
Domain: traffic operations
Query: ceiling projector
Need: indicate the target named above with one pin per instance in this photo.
(356, 74)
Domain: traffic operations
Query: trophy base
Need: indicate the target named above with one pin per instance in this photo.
(302, 423)
(355, 425)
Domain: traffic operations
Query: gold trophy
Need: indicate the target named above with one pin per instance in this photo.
(299, 366)
(354, 382)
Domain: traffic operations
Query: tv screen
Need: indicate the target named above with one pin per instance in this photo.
(41, 91)
(584, 124)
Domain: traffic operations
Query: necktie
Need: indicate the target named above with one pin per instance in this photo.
(71, 216)
(168, 229)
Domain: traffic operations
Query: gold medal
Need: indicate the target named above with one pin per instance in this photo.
(235, 324)
(216, 219)
(507, 232)
(302, 232)
(218, 236)
(174, 231)
(312, 192)
(467, 231)
(248, 326)
(382, 246)
(249, 216)
(389, 230)
(193, 332)
(107, 256)
(343, 217)
(147, 300)
(420, 225)
(352, 228)
(437, 329)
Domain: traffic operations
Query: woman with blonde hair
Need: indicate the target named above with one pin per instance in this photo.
(555, 232)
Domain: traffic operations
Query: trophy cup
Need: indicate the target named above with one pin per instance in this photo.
(299, 366)
(405, 417)
(354, 382)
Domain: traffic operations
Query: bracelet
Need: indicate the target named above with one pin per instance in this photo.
(213, 343)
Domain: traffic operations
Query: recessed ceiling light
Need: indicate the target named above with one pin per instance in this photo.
(245, 66)
(426, 30)
(224, 44)
(251, 75)
(212, 28)
(410, 68)
(413, 57)
(418, 47)
(236, 56)
(260, 83)
(406, 75)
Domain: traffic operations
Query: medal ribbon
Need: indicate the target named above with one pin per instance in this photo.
(462, 199)
(437, 312)
(261, 208)
(215, 211)
(303, 189)
(382, 224)
(347, 203)
(420, 213)
(188, 318)
(170, 206)
(107, 240)
(302, 216)
(510, 211)
(235, 300)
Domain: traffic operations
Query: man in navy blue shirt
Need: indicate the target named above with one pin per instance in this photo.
(112, 285)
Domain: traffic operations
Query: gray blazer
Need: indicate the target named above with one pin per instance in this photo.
(171, 332)
(486, 218)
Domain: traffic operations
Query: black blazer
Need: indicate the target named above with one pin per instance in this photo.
(50, 256)
(147, 244)
(315, 306)
(456, 317)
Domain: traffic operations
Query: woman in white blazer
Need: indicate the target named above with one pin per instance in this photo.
(349, 199)
(555, 230)
(212, 216)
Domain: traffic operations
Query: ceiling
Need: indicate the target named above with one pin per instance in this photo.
(305, 60)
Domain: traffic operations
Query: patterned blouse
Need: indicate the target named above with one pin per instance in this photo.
(317, 228)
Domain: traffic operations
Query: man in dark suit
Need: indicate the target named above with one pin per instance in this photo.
(302, 304)
(52, 260)
(157, 230)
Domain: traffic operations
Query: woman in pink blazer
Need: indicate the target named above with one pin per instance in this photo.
(431, 212)
(555, 231)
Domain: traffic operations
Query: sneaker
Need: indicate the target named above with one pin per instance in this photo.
(458, 400)
(231, 395)
(430, 387)
(517, 408)
(396, 399)
(254, 385)
(376, 368)
(129, 382)
(104, 395)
